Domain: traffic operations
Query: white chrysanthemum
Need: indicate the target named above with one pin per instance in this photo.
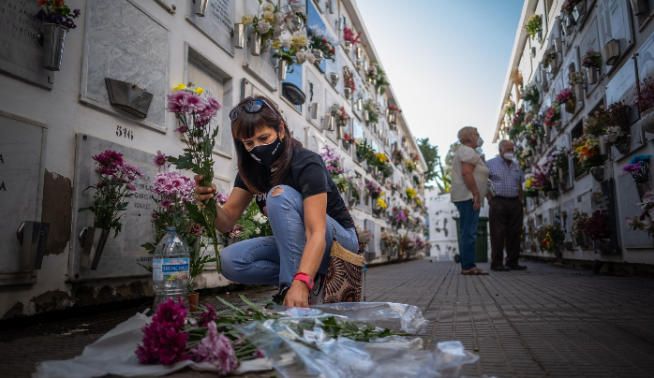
(286, 38)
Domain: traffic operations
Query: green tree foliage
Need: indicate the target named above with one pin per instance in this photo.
(436, 172)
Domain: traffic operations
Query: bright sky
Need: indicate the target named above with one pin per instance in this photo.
(446, 61)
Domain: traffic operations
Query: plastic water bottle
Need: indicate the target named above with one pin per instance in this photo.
(170, 269)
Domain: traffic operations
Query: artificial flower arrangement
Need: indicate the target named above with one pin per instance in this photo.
(350, 38)
(552, 117)
(645, 100)
(531, 94)
(380, 161)
(534, 26)
(267, 24)
(587, 151)
(579, 221)
(293, 48)
(377, 77)
(364, 150)
(592, 60)
(321, 46)
(410, 165)
(332, 161)
(569, 5)
(644, 221)
(531, 186)
(115, 185)
(411, 193)
(57, 12)
(194, 111)
(550, 238)
(339, 112)
(638, 168)
(567, 97)
(374, 190)
(349, 85)
(347, 140)
(379, 206)
(399, 217)
(372, 109)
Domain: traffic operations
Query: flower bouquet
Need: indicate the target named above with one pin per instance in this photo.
(592, 60)
(347, 140)
(371, 112)
(550, 238)
(379, 206)
(645, 100)
(332, 161)
(115, 185)
(349, 85)
(534, 26)
(374, 190)
(566, 97)
(57, 12)
(339, 112)
(252, 224)
(552, 117)
(350, 38)
(587, 152)
(638, 167)
(531, 94)
(377, 77)
(265, 26)
(194, 110)
(399, 217)
(321, 47)
(644, 221)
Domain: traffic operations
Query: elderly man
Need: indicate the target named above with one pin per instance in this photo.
(505, 216)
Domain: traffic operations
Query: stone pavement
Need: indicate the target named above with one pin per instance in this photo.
(544, 322)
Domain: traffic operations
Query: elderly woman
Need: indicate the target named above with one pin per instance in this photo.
(469, 186)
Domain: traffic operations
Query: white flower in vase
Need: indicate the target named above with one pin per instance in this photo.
(286, 39)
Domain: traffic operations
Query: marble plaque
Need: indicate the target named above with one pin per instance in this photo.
(217, 23)
(121, 254)
(123, 42)
(628, 200)
(645, 58)
(20, 52)
(615, 23)
(21, 151)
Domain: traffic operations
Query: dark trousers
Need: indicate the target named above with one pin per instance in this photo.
(505, 218)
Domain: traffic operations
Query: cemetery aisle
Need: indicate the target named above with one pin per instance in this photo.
(546, 321)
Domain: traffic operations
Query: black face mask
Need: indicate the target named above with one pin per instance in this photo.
(266, 154)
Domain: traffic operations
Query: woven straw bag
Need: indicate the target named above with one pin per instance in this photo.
(344, 279)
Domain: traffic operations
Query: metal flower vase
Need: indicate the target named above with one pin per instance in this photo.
(54, 36)
(333, 78)
(611, 51)
(239, 35)
(92, 240)
(282, 68)
(255, 44)
(200, 7)
(330, 123)
(570, 106)
(347, 46)
(347, 92)
(597, 173)
(647, 120)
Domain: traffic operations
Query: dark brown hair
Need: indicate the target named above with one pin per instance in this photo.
(257, 177)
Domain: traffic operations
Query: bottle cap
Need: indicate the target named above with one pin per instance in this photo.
(171, 229)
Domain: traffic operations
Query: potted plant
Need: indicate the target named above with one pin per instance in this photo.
(350, 38)
(645, 103)
(56, 20)
(115, 185)
(534, 27)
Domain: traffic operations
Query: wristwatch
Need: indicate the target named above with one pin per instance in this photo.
(303, 277)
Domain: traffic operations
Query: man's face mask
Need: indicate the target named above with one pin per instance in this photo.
(266, 154)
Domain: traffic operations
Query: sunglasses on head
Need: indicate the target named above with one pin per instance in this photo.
(253, 105)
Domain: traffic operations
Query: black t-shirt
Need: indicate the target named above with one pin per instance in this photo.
(308, 175)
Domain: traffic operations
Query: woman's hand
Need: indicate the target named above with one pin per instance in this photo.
(476, 201)
(297, 295)
(203, 193)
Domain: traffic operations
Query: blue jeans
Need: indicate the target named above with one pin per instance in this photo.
(274, 260)
(468, 219)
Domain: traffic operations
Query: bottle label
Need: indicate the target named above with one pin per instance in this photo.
(170, 269)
